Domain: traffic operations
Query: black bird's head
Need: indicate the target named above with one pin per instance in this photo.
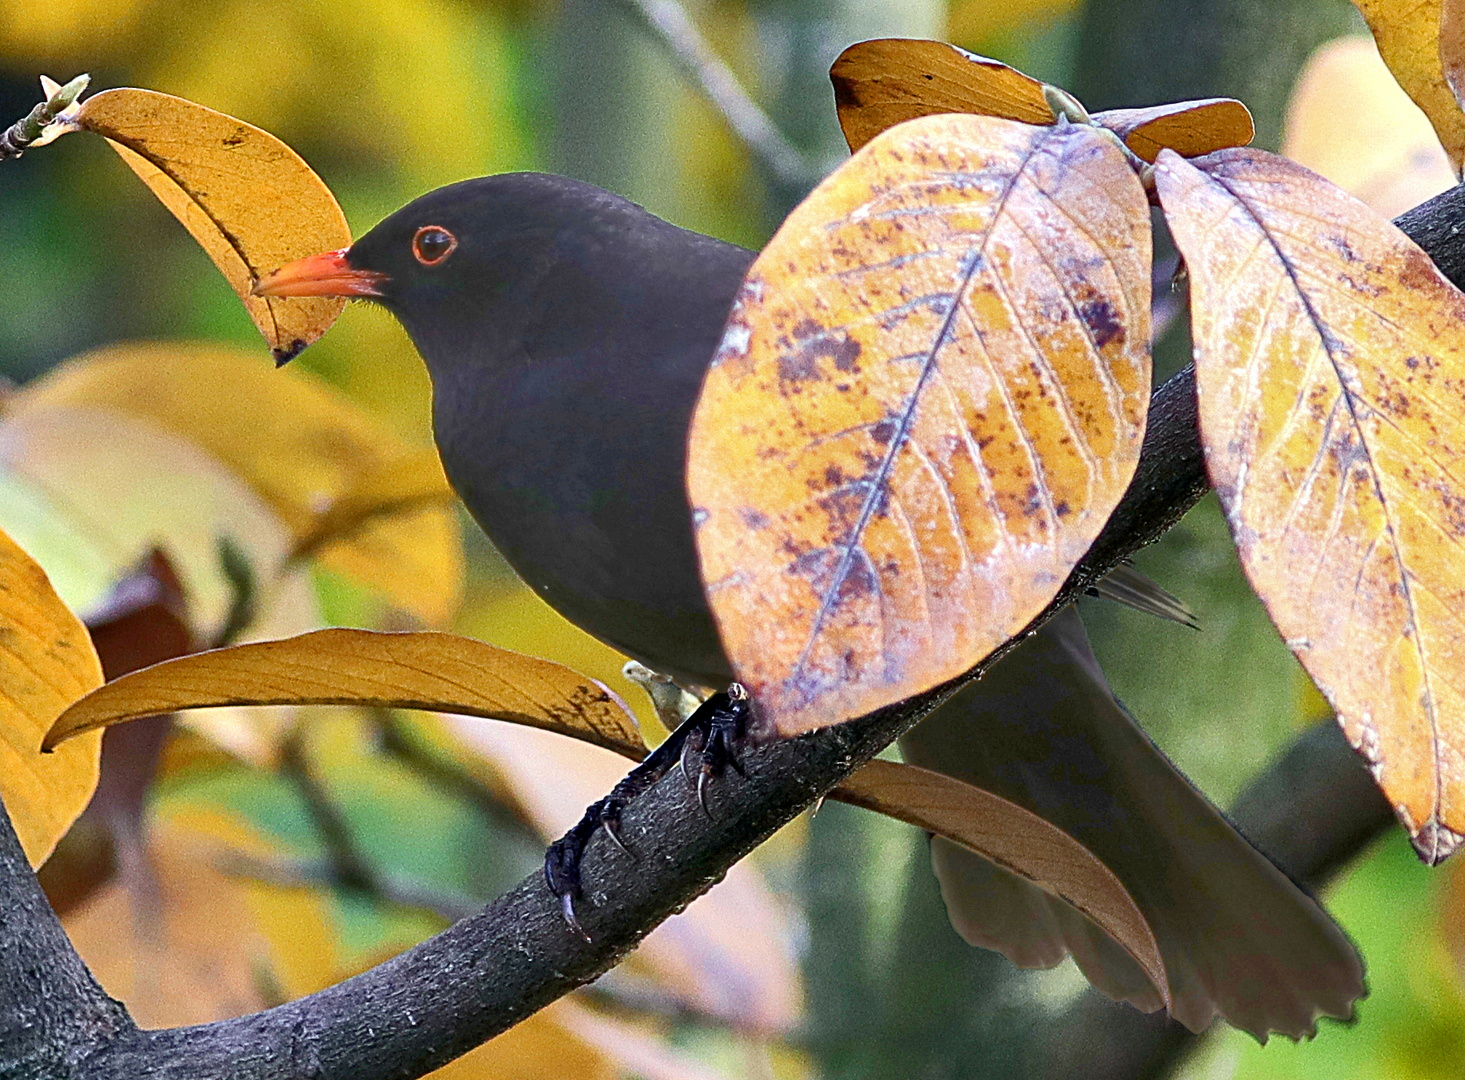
(466, 267)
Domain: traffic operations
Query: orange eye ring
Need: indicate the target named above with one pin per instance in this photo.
(431, 244)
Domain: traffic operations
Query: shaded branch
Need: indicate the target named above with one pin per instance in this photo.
(694, 58)
(446, 995)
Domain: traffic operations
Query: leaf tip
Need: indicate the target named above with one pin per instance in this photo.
(1434, 842)
(283, 354)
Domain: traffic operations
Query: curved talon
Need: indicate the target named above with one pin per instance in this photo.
(608, 824)
(710, 736)
(687, 751)
(702, 791)
(567, 908)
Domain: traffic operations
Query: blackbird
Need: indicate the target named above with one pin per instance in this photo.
(566, 331)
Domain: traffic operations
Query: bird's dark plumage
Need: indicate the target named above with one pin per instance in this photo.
(564, 380)
(567, 332)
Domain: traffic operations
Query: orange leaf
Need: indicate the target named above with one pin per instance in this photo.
(1327, 355)
(881, 83)
(1015, 840)
(930, 396)
(46, 662)
(248, 199)
(364, 667)
(1189, 128)
(1408, 35)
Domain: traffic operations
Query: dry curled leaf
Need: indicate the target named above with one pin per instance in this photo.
(929, 398)
(1408, 36)
(1349, 121)
(248, 199)
(1189, 128)
(1015, 840)
(1327, 356)
(441, 672)
(351, 491)
(881, 83)
(46, 662)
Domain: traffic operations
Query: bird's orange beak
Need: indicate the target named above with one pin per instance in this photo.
(326, 274)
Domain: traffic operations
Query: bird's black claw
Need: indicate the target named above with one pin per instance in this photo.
(712, 733)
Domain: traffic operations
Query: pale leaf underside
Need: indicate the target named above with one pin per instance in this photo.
(1331, 371)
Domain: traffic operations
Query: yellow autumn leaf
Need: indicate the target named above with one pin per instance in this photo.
(46, 662)
(1349, 121)
(1016, 840)
(367, 503)
(441, 672)
(1327, 353)
(929, 398)
(248, 199)
(1408, 36)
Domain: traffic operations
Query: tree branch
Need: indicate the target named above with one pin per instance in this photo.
(491, 970)
(52, 1012)
(689, 51)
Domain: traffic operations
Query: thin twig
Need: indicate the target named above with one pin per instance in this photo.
(323, 873)
(691, 53)
(19, 136)
(348, 867)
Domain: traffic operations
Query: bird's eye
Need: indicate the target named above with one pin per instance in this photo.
(432, 244)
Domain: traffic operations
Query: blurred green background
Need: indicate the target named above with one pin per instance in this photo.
(390, 98)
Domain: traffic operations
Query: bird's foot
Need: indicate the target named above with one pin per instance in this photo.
(711, 734)
(714, 735)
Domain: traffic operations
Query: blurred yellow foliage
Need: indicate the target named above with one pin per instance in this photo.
(190, 945)
(297, 442)
(972, 22)
(421, 84)
(1349, 120)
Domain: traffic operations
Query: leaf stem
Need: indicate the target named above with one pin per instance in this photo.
(18, 137)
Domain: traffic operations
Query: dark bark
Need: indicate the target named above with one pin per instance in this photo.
(52, 1012)
(487, 972)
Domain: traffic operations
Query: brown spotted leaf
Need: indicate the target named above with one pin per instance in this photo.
(441, 672)
(248, 199)
(1329, 363)
(930, 395)
(1015, 840)
(878, 84)
(46, 662)
(1190, 128)
(1408, 36)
